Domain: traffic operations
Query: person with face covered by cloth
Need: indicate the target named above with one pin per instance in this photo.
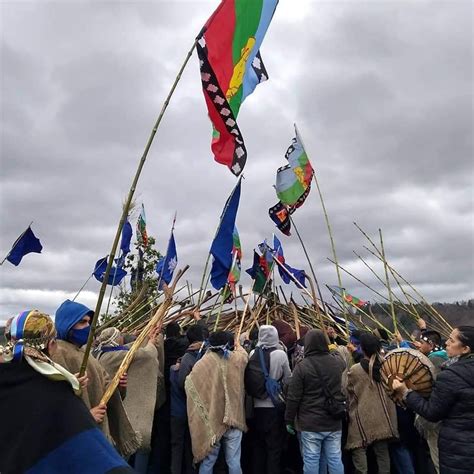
(215, 403)
(45, 427)
(452, 403)
(142, 380)
(372, 415)
(73, 325)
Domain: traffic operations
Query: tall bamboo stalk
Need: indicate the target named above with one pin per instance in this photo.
(125, 210)
(331, 239)
(308, 259)
(392, 309)
(201, 288)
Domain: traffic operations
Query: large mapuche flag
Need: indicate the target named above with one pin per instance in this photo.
(293, 184)
(231, 67)
(294, 179)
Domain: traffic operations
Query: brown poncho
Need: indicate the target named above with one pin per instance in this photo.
(142, 379)
(116, 425)
(215, 399)
(372, 415)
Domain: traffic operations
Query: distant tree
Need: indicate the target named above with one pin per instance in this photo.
(141, 266)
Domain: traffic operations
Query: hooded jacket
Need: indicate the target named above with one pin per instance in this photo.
(69, 314)
(279, 365)
(306, 399)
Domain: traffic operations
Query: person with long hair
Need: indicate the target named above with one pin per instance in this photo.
(372, 415)
(452, 403)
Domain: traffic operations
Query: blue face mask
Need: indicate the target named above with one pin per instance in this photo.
(79, 336)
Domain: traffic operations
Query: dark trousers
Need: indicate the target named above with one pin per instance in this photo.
(269, 435)
(181, 448)
(160, 459)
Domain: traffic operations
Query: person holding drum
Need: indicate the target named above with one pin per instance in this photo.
(452, 403)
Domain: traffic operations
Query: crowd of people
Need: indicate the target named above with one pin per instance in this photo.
(194, 401)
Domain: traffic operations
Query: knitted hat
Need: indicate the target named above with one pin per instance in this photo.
(29, 333)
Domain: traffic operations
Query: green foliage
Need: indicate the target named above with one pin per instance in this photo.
(141, 264)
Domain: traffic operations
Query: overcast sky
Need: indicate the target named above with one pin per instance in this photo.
(381, 92)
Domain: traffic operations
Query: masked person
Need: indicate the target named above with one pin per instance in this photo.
(73, 325)
(45, 425)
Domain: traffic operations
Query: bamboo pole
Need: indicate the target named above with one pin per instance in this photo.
(400, 302)
(297, 322)
(331, 239)
(125, 210)
(201, 289)
(157, 319)
(237, 336)
(308, 259)
(434, 311)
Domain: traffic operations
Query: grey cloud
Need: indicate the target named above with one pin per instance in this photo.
(381, 93)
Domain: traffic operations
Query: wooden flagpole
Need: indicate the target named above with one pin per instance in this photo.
(308, 259)
(202, 289)
(167, 247)
(125, 210)
(333, 247)
(392, 309)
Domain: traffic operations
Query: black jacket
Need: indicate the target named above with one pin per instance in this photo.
(306, 398)
(452, 402)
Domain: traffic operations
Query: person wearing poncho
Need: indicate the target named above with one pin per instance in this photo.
(142, 375)
(45, 426)
(372, 415)
(73, 324)
(215, 403)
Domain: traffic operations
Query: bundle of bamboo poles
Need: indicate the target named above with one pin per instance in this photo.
(156, 320)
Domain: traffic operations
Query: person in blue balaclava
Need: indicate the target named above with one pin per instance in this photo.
(72, 323)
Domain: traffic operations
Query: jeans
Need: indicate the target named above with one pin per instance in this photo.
(327, 443)
(231, 439)
(401, 458)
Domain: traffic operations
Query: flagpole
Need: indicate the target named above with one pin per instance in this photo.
(392, 309)
(14, 243)
(308, 259)
(125, 210)
(166, 256)
(201, 288)
(333, 247)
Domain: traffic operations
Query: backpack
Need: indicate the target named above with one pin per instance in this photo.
(254, 377)
(273, 386)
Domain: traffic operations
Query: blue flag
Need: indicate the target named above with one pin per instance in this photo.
(166, 265)
(124, 243)
(26, 243)
(116, 275)
(221, 248)
(126, 237)
(299, 275)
